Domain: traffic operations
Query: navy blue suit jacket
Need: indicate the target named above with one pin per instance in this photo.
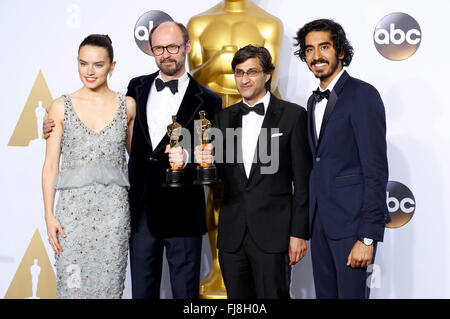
(350, 171)
(171, 212)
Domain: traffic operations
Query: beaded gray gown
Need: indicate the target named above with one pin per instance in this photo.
(92, 207)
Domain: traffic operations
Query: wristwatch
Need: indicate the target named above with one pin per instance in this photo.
(366, 241)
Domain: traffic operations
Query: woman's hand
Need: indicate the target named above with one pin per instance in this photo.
(53, 226)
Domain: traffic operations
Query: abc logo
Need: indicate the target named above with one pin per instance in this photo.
(401, 204)
(397, 36)
(145, 24)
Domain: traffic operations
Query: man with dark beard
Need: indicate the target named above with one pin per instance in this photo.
(170, 218)
(347, 136)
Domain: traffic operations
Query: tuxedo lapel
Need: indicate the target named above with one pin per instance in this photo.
(312, 132)
(236, 123)
(328, 110)
(189, 108)
(270, 121)
(334, 96)
(142, 92)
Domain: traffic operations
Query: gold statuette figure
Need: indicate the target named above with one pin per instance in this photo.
(174, 175)
(216, 35)
(206, 172)
(203, 130)
(219, 32)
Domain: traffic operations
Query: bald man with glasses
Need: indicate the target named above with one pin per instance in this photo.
(170, 218)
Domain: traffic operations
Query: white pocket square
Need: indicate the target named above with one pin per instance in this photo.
(277, 134)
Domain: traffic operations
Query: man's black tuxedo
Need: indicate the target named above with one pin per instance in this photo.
(168, 212)
(270, 207)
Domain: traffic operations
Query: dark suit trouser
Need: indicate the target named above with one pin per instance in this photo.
(332, 277)
(252, 273)
(146, 258)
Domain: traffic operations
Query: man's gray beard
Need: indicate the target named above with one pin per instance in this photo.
(171, 72)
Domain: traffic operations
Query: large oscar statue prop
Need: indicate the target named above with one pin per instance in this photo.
(216, 35)
(175, 176)
(206, 172)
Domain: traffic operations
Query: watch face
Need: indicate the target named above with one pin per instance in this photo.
(368, 241)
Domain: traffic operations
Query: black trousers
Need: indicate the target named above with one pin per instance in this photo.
(252, 273)
(146, 258)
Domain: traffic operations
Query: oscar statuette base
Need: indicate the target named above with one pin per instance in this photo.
(206, 175)
(175, 177)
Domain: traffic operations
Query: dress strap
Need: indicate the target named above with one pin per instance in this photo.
(123, 102)
(123, 106)
(68, 108)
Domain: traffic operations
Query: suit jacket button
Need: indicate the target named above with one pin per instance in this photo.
(317, 159)
(247, 189)
(151, 159)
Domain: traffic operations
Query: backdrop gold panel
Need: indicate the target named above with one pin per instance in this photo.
(39, 99)
(35, 278)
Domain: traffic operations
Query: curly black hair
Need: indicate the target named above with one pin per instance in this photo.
(340, 41)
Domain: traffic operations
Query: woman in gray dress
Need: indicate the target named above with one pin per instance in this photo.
(90, 226)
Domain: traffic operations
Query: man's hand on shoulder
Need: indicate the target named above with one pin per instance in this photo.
(54, 112)
(47, 127)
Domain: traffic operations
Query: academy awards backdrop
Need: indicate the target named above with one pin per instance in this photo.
(399, 48)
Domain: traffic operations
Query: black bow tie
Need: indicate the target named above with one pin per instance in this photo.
(172, 85)
(258, 108)
(320, 95)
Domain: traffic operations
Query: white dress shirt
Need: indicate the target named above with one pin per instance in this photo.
(161, 106)
(251, 126)
(319, 109)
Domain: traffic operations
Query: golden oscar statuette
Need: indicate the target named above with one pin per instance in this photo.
(175, 176)
(216, 35)
(206, 172)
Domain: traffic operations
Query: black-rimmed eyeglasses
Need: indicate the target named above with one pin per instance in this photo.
(171, 48)
(251, 72)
